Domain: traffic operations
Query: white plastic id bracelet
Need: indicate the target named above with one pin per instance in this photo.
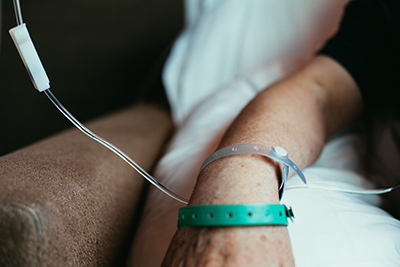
(276, 153)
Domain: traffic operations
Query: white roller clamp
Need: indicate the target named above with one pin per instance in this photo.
(30, 57)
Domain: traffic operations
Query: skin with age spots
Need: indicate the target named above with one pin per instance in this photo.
(314, 101)
(213, 248)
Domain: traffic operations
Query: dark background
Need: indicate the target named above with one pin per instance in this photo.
(97, 53)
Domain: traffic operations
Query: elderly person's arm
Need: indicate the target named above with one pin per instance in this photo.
(298, 114)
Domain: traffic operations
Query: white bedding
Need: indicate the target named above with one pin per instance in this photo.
(228, 52)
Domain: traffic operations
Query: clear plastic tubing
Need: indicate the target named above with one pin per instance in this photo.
(343, 190)
(238, 149)
(113, 148)
(280, 155)
(277, 155)
(80, 126)
(18, 14)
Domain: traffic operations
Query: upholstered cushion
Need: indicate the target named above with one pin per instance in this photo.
(68, 201)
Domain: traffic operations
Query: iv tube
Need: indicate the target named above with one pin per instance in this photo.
(148, 177)
(346, 191)
(160, 186)
(111, 147)
(165, 190)
(82, 128)
(18, 14)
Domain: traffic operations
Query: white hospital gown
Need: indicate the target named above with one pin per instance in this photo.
(229, 51)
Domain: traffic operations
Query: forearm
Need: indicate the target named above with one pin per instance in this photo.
(298, 114)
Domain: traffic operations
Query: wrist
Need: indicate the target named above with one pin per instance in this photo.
(238, 179)
(234, 215)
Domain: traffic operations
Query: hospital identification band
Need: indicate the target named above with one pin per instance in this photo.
(234, 215)
(276, 153)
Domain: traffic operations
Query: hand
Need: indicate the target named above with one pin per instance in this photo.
(230, 246)
(222, 182)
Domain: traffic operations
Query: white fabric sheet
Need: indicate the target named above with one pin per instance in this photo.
(227, 53)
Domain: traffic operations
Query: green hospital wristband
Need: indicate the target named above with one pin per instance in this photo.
(234, 215)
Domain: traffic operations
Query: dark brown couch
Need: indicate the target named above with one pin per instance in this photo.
(66, 200)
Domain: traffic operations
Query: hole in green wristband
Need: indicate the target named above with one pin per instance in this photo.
(234, 214)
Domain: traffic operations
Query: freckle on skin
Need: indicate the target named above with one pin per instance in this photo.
(258, 184)
(263, 238)
(319, 82)
(242, 166)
